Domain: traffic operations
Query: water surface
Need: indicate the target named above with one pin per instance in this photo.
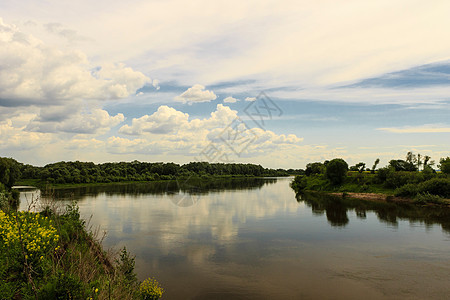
(253, 239)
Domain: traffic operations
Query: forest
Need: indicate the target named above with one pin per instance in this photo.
(88, 172)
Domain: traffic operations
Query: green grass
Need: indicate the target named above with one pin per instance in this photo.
(52, 255)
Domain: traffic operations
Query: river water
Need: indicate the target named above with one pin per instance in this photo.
(254, 239)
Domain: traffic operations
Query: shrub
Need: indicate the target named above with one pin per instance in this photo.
(408, 190)
(400, 178)
(63, 286)
(425, 198)
(436, 186)
(336, 171)
(126, 264)
(299, 183)
(382, 173)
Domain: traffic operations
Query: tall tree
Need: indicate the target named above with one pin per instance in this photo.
(375, 164)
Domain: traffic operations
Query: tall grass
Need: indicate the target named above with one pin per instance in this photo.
(54, 254)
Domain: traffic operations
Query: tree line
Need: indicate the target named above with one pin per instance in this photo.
(414, 177)
(88, 172)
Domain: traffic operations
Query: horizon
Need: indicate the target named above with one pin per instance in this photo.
(279, 84)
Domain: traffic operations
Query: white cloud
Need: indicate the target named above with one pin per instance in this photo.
(230, 100)
(15, 138)
(164, 120)
(428, 128)
(250, 99)
(196, 94)
(32, 72)
(172, 132)
(96, 121)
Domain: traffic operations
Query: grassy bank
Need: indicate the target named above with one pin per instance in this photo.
(384, 185)
(52, 254)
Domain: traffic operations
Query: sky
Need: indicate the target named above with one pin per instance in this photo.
(276, 83)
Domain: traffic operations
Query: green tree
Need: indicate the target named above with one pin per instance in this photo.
(401, 165)
(427, 161)
(314, 168)
(336, 170)
(9, 171)
(445, 165)
(375, 164)
(358, 167)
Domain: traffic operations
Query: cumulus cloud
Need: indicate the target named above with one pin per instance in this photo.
(196, 94)
(171, 131)
(32, 72)
(250, 99)
(164, 120)
(15, 138)
(97, 121)
(230, 100)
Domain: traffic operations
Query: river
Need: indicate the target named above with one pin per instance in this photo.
(253, 239)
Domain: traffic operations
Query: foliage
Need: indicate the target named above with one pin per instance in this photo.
(126, 264)
(299, 183)
(150, 289)
(407, 190)
(359, 167)
(445, 165)
(88, 172)
(336, 171)
(314, 168)
(9, 171)
(401, 165)
(401, 178)
(426, 198)
(375, 164)
(436, 186)
(49, 255)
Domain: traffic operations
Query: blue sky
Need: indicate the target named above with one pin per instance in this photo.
(174, 80)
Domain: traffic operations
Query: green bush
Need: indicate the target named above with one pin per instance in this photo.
(382, 174)
(400, 178)
(408, 190)
(299, 183)
(436, 186)
(336, 171)
(63, 286)
(425, 198)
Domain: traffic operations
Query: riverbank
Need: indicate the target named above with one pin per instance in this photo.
(53, 254)
(385, 185)
(181, 179)
(387, 198)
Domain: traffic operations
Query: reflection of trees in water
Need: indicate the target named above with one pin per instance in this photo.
(336, 209)
(189, 186)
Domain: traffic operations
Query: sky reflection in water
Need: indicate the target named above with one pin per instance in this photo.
(254, 240)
